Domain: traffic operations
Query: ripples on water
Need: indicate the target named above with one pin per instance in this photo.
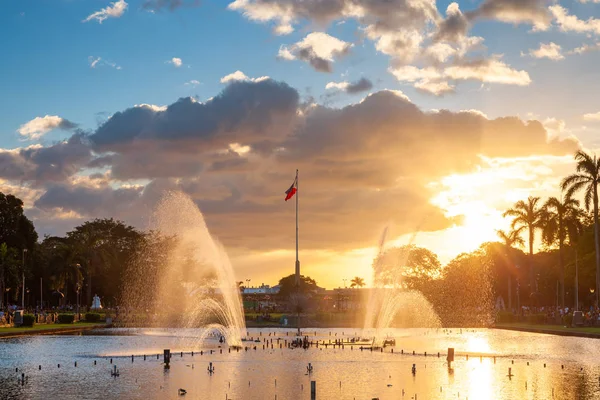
(252, 374)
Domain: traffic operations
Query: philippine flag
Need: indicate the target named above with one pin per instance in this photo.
(292, 190)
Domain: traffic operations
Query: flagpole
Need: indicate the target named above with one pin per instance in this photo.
(297, 260)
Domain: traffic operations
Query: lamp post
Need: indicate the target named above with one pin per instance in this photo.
(23, 279)
(344, 282)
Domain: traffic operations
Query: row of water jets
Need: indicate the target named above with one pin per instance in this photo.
(198, 282)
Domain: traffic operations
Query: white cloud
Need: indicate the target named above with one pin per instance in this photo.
(193, 83)
(115, 10)
(152, 107)
(550, 51)
(585, 48)
(570, 23)
(317, 49)
(240, 76)
(176, 62)
(491, 71)
(39, 126)
(99, 61)
(337, 85)
(593, 117)
(435, 80)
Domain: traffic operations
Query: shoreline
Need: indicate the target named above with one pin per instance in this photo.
(50, 330)
(551, 330)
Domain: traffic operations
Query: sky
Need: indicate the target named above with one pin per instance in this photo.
(421, 118)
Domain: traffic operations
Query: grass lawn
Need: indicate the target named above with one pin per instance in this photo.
(47, 327)
(555, 328)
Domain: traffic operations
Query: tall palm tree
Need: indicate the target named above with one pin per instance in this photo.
(510, 240)
(527, 215)
(562, 222)
(357, 282)
(586, 179)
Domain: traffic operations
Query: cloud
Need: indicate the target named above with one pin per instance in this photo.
(193, 83)
(240, 76)
(454, 28)
(39, 126)
(115, 10)
(40, 164)
(318, 49)
(362, 85)
(396, 27)
(533, 12)
(171, 5)
(176, 62)
(237, 153)
(98, 62)
(570, 23)
(436, 80)
(550, 50)
(585, 48)
(593, 117)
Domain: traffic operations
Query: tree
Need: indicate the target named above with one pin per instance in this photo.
(103, 247)
(288, 285)
(509, 240)
(561, 224)
(586, 179)
(527, 215)
(406, 266)
(357, 282)
(8, 269)
(58, 257)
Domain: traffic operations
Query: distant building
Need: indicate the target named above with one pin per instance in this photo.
(262, 289)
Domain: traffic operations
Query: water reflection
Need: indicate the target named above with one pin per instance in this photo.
(340, 374)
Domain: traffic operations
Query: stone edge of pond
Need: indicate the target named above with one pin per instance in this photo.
(588, 335)
(51, 331)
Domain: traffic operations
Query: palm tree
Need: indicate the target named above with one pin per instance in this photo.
(586, 179)
(562, 223)
(357, 282)
(527, 215)
(510, 240)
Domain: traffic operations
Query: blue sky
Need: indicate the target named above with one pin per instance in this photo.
(500, 58)
(46, 69)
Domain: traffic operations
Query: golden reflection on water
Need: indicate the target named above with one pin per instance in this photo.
(480, 380)
(477, 345)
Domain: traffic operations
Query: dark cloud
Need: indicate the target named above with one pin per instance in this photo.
(515, 11)
(40, 164)
(318, 63)
(454, 28)
(362, 85)
(172, 5)
(244, 111)
(86, 200)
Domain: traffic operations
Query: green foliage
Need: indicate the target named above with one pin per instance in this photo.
(505, 317)
(28, 320)
(288, 285)
(535, 319)
(66, 318)
(92, 317)
(409, 266)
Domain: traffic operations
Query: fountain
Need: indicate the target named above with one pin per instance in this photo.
(390, 304)
(185, 278)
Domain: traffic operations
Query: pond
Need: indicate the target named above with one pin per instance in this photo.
(543, 366)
